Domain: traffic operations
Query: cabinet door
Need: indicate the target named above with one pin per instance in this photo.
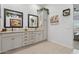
(18, 41)
(39, 37)
(45, 35)
(7, 44)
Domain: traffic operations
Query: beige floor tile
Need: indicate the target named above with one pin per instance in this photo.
(43, 48)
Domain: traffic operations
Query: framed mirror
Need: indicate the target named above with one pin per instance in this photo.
(32, 21)
(13, 19)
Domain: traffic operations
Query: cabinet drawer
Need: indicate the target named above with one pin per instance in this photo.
(12, 34)
(27, 43)
(7, 35)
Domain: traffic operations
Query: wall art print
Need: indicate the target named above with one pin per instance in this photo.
(66, 12)
(54, 19)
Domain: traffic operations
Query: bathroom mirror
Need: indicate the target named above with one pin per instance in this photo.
(13, 19)
(32, 21)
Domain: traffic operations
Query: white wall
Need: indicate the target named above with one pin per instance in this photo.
(63, 32)
(25, 8)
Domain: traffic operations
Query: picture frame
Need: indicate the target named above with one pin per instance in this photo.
(54, 19)
(32, 21)
(66, 12)
(10, 15)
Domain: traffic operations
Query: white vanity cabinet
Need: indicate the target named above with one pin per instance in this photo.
(18, 42)
(35, 36)
(11, 41)
(38, 36)
(32, 37)
(18, 38)
(7, 43)
(14, 40)
(26, 39)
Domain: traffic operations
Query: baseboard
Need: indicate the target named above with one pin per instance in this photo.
(61, 44)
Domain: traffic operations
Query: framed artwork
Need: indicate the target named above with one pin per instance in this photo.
(13, 19)
(15, 22)
(32, 21)
(54, 19)
(66, 12)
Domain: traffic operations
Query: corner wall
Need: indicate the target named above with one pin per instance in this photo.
(63, 32)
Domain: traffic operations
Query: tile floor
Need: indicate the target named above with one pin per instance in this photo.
(45, 47)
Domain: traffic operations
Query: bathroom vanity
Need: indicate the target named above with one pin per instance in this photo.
(12, 40)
